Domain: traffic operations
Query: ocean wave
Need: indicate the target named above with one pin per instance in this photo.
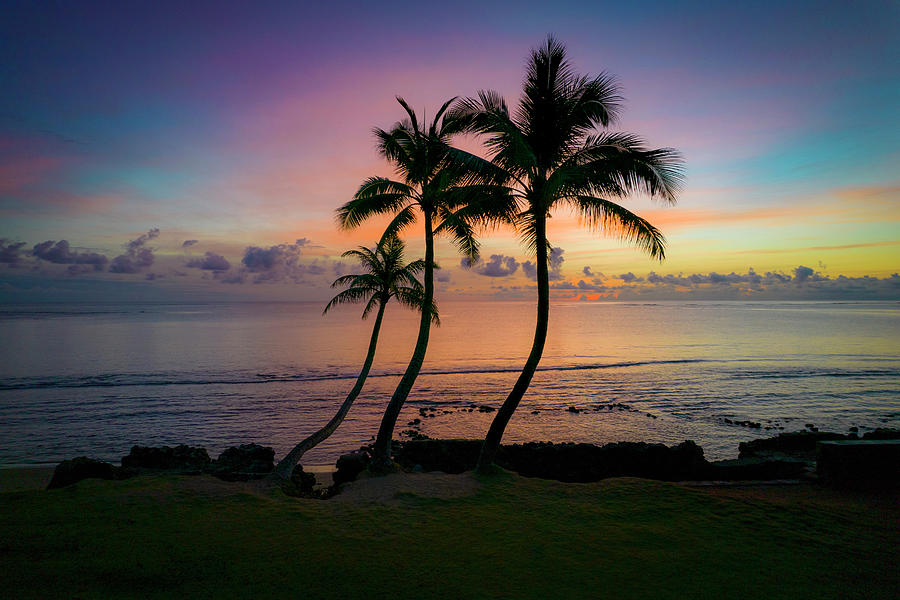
(107, 380)
(168, 379)
(816, 373)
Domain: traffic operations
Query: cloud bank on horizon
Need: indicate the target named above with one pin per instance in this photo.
(299, 276)
(241, 134)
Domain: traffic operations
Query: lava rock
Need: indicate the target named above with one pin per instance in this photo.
(750, 424)
(449, 456)
(872, 463)
(242, 463)
(563, 462)
(414, 434)
(303, 481)
(349, 466)
(882, 434)
(72, 471)
(180, 458)
(587, 462)
(302, 485)
(796, 443)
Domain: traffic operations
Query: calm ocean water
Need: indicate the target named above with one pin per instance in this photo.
(96, 379)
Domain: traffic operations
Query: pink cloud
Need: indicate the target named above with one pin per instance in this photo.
(20, 172)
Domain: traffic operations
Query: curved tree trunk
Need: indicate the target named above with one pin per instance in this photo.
(284, 468)
(504, 414)
(382, 449)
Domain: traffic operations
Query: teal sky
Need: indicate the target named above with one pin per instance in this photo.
(244, 127)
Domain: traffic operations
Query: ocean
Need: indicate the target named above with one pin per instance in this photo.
(95, 379)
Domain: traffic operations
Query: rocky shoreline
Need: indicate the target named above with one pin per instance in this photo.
(787, 456)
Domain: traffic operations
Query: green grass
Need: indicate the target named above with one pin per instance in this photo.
(516, 538)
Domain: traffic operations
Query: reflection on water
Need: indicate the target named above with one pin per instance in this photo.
(94, 379)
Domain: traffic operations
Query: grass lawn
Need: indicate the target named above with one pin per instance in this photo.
(510, 537)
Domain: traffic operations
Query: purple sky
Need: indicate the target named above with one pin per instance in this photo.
(245, 127)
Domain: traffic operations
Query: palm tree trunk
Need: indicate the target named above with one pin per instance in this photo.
(492, 441)
(284, 468)
(382, 449)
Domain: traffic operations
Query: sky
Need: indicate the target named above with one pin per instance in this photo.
(157, 151)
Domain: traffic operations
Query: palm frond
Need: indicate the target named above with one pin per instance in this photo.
(373, 302)
(406, 217)
(657, 173)
(526, 229)
(415, 298)
(376, 187)
(369, 281)
(390, 252)
(407, 279)
(487, 206)
(596, 102)
(444, 130)
(558, 107)
(508, 147)
(409, 275)
(611, 218)
(353, 295)
(394, 145)
(376, 196)
(344, 280)
(385, 276)
(417, 266)
(619, 164)
(461, 232)
(464, 191)
(412, 114)
(471, 169)
(365, 256)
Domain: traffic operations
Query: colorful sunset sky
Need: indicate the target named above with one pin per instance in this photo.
(186, 151)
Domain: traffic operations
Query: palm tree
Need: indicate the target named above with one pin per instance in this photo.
(448, 187)
(552, 154)
(385, 277)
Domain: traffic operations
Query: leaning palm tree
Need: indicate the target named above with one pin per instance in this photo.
(447, 187)
(385, 277)
(553, 154)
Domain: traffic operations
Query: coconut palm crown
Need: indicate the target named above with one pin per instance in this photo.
(553, 153)
(384, 276)
(450, 189)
